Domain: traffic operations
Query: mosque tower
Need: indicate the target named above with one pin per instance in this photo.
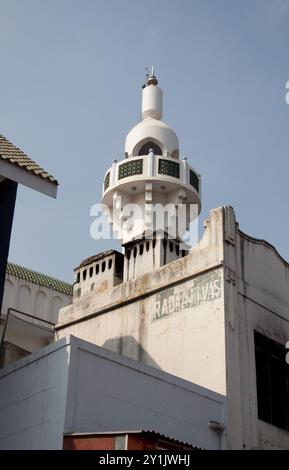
(151, 195)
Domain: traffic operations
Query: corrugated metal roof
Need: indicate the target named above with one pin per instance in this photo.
(39, 279)
(15, 156)
(138, 431)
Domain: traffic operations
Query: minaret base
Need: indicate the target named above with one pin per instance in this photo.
(143, 256)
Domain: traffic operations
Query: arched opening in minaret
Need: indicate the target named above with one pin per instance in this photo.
(145, 149)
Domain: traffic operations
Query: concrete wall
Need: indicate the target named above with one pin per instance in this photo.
(79, 387)
(33, 399)
(109, 392)
(171, 318)
(241, 284)
(98, 274)
(256, 298)
(33, 299)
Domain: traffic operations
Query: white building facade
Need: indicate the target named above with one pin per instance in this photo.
(30, 310)
(216, 315)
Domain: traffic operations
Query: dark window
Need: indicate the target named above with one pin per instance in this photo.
(135, 252)
(177, 250)
(171, 246)
(272, 376)
(78, 277)
(110, 264)
(128, 254)
(141, 249)
(144, 150)
(97, 269)
(84, 274)
(147, 246)
(103, 266)
(91, 271)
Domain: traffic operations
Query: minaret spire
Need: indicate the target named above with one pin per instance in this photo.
(152, 176)
(152, 98)
(151, 79)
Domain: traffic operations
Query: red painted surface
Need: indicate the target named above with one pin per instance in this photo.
(139, 441)
(89, 442)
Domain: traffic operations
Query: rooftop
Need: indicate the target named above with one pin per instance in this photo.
(39, 278)
(17, 166)
(98, 257)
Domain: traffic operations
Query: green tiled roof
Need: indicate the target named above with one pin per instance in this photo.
(38, 278)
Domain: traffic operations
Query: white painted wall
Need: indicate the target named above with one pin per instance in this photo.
(33, 400)
(256, 298)
(188, 341)
(32, 299)
(74, 386)
(210, 343)
(109, 392)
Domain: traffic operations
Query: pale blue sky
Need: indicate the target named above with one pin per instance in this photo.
(70, 84)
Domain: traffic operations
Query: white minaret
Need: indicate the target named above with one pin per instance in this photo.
(151, 195)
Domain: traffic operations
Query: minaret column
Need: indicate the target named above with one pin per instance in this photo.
(152, 179)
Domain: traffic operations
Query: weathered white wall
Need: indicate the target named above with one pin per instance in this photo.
(210, 343)
(74, 386)
(33, 400)
(256, 298)
(32, 299)
(111, 392)
(171, 318)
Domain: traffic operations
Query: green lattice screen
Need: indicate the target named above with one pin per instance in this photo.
(169, 168)
(135, 167)
(106, 181)
(194, 180)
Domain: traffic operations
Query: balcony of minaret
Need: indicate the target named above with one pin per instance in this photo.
(166, 173)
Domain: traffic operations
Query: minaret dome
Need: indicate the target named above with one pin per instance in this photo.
(151, 132)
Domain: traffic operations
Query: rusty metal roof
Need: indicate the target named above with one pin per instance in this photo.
(15, 156)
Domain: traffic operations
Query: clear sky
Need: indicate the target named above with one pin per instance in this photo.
(70, 87)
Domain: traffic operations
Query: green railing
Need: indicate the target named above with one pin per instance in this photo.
(169, 168)
(106, 181)
(134, 167)
(194, 180)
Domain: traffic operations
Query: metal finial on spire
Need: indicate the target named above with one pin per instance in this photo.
(150, 77)
(146, 77)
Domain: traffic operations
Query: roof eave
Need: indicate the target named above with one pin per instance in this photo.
(22, 176)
